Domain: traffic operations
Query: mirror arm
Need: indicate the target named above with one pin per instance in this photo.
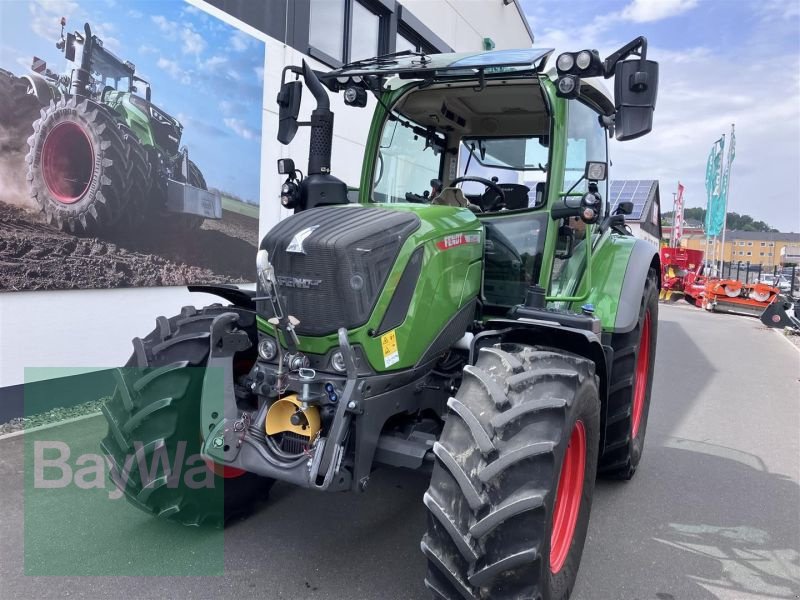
(610, 64)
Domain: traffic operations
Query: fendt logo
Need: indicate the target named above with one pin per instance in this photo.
(458, 239)
(298, 282)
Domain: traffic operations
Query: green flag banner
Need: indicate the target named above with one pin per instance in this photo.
(715, 210)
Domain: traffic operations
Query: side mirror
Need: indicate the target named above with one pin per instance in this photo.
(624, 208)
(565, 243)
(69, 47)
(635, 90)
(289, 108)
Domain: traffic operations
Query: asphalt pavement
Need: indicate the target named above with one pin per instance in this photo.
(712, 513)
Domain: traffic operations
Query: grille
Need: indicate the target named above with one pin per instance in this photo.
(161, 133)
(347, 258)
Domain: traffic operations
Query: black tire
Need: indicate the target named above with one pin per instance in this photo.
(139, 182)
(492, 495)
(623, 449)
(157, 404)
(18, 109)
(77, 170)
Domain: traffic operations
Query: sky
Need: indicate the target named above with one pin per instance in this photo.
(721, 62)
(203, 72)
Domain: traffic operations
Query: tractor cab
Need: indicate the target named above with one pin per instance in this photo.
(523, 149)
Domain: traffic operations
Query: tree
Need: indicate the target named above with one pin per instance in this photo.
(735, 221)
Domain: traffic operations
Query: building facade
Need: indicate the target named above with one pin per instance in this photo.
(94, 328)
(768, 249)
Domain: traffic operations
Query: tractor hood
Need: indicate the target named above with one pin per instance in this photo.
(166, 129)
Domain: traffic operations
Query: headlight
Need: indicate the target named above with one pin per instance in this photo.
(584, 59)
(565, 62)
(337, 362)
(566, 85)
(267, 349)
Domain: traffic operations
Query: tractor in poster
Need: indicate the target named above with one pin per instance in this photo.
(495, 327)
(102, 156)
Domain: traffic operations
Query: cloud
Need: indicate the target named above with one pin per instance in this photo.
(646, 11)
(169, 28)
(226, 106)
(135, 14)
(259, 73)
(174, 70)
(212, 63)
(239, 128)
(147, 49)
(193, 42)
(240, 41)
(45, 16)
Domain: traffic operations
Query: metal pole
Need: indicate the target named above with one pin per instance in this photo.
(673, 241)
(738, 264)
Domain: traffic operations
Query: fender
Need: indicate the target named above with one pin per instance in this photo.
(231, 293)
(642, 258)
(619, 268)
(42, 89)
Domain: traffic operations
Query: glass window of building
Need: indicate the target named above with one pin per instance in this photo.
(326, 32)
(365, 33)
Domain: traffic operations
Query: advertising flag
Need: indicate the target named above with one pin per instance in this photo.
(715, 210)
(677, 226)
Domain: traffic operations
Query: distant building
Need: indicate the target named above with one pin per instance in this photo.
(766, 248)
(645, 220)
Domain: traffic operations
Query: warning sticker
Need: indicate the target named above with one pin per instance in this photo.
(389, 345)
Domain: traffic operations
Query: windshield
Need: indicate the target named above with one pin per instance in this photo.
(406, 164)
(108, 71)
(518, 162)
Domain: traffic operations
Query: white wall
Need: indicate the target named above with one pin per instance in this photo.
(93, 328)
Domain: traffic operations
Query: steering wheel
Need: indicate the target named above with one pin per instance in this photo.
(501, 196)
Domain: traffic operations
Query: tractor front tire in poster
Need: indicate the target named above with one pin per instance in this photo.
(512, 486)
(154, 427)
(77, 171)
(631, 384)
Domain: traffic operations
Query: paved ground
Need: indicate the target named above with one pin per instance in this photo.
(713, 512)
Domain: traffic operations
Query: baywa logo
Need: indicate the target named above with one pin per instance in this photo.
(89, 471)
(299, 282)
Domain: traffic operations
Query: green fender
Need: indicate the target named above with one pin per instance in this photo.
(620, 265)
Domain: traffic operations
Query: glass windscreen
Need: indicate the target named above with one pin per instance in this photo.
(406, 164)
(517, 164)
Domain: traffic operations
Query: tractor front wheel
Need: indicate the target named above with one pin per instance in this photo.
(512, 486)
(77, 170)
(631, 384)
(155, 434)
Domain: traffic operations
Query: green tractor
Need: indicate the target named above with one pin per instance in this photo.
(102, 155)
(479, 312)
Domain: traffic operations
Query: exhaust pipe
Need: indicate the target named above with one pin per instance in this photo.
(319, 152)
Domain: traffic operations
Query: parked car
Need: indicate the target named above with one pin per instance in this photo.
(778, 281)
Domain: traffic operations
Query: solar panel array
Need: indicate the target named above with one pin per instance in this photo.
(631, 190)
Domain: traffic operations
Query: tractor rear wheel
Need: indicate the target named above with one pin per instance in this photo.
(512, 486)
(77, 171)
(154, 419)
(631, 383)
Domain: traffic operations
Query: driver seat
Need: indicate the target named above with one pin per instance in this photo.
(453, 196)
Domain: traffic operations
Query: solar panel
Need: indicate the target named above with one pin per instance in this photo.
(637, 191)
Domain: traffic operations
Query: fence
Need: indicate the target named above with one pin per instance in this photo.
(747, 273)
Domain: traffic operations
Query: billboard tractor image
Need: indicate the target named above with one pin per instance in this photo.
(100, 159)
(102, 151)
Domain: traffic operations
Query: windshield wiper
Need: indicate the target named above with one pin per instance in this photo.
(383, 60)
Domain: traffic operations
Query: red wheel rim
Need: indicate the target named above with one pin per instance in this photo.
(568, 497)
(642, 369)
(67, 162)
(223, 470)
